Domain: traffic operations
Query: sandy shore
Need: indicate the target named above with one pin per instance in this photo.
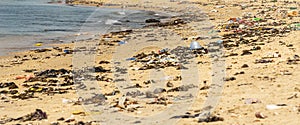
(259, 56)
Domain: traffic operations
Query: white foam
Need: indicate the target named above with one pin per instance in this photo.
(121, 13)
(111, 22)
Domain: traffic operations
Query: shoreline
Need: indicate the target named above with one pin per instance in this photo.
(255, 69)
(78, 34)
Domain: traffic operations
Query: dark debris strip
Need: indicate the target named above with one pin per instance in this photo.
(34, 116)
(96, 99)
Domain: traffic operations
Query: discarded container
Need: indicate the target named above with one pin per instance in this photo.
(164, 50)
(66, 101)
(122, 42)
(273, 107)
(292, 13)
(220, 41)
(38, 44)
(67, 51)
(260, 115)
(195, 45)
(28, 77)
(234, 19)
(130, 59)
(20, 77)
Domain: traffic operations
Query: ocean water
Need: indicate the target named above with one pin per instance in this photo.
(26, 22)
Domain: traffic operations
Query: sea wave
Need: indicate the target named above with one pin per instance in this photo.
(112, 22)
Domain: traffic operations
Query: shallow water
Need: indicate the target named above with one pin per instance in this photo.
(26, 22)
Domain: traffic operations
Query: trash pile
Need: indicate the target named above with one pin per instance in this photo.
(173, 22)
(168, 58)
(256, 26)
(257, 29)
(156, 60)
(125, 103)
(48, 82)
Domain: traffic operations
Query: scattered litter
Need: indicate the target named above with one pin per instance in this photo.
(252, 101)
(67, 101)
(276, 106)
(82, 113)
(131, 59)
(38, 44)
(260, 115)
(122, 42)
(195, 45)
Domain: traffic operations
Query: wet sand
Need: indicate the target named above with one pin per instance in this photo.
(260, 82)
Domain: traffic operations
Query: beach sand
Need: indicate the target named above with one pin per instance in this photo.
(263, 92)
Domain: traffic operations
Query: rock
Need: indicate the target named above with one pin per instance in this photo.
(79, 113)
(161, 101)
(104, 62)
(180, 66)
(52, 73)
(204, 87)
(211, 119)
(24, 95)
(229, 79)
(182, 88)
(29, 70)
(231, 54)
(177, 78)
(10, 85)
(83, 123)
(245, 66)
(148, 82)
(246, 52)
(54, 123)
(264, 61)
(115, 92)
(134, 86)
(152, 21)
(150, 95)
(97, 99)
(159, 90)
(238, 73)
(61, 119)
(126, 32)
(100, 69)
(41, 50)
(293, 96)
(169, 84)
(135, 93)
(170, 23)
(37, 115)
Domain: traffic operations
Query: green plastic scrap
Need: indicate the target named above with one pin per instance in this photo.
(257, 19)
(212, 31)
(295, 26)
